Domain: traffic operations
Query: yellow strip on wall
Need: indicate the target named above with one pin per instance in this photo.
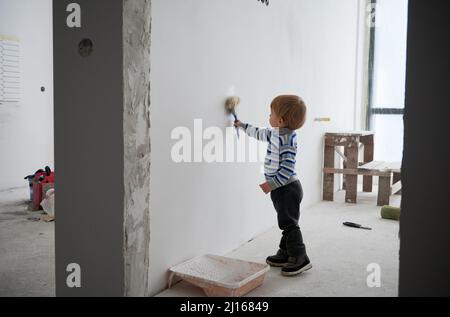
(9, 38)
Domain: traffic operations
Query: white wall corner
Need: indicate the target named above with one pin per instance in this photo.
(361, 66)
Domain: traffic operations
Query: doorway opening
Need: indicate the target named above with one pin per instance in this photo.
(387, 76)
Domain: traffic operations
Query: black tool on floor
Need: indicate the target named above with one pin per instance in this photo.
(355, 225)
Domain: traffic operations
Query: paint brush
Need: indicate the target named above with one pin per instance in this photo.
(231, 104)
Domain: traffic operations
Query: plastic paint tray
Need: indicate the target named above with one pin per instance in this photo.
(219, 276)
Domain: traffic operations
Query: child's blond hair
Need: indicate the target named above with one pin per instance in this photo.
(291, 109)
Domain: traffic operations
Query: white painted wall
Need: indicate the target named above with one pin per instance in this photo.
(202, 49)
(26, 129)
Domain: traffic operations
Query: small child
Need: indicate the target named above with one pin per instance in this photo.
(288, 113)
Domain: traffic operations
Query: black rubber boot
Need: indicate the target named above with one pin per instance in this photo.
(278, 260)
(296, 265)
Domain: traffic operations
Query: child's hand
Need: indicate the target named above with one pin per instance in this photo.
(266, 188)
(238, 124)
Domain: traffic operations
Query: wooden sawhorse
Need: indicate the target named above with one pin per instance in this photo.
(351, 142)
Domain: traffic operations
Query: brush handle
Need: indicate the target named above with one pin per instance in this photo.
(235, 119)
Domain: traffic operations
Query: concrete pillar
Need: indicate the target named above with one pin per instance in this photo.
(102, 146)
(425, 218)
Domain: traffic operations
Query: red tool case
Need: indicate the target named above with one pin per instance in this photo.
(41, 178)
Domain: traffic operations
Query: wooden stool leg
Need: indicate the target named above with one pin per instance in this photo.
(384, 190)
(328, 179)
(397, 178)
(351, 181)
(368, 157)
(344, 187)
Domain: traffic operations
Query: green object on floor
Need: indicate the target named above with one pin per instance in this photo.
(389, 212)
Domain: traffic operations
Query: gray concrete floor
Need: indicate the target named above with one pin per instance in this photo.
(27, 248)
(340, 255)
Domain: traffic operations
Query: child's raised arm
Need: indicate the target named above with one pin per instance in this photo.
(261, 134)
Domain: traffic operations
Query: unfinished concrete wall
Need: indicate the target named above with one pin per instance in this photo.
(136, 39)
(205, 50)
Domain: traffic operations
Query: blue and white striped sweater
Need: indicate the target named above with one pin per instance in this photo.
(279, 164)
